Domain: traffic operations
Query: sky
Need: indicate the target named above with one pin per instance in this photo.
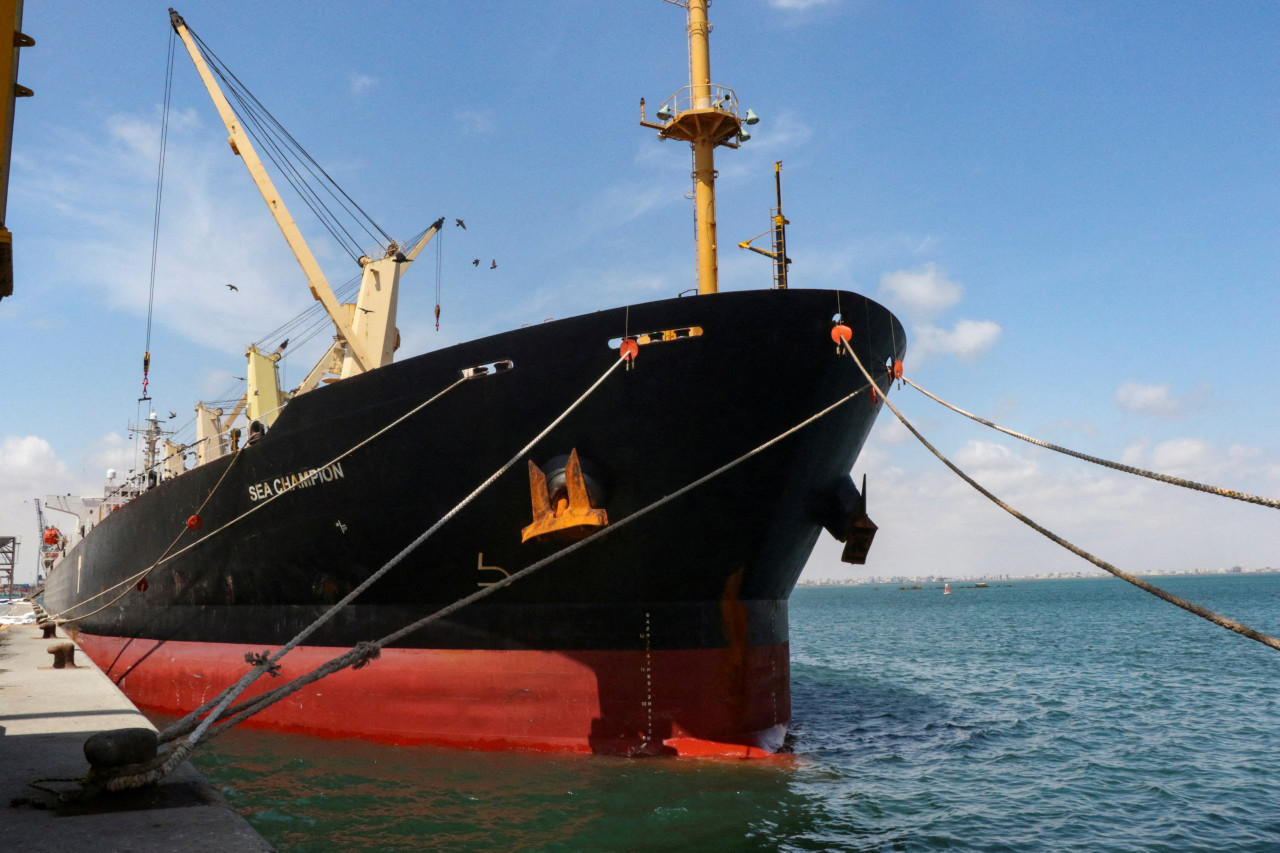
(1072, 206)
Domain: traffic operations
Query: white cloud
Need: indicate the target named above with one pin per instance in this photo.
(1202, 461)
(931, 522)
(798, 4)
(1149, 400)
(995, 466)
(29, 469)
(476, 121)
(922, 293)
(27, 460)
(224, 233)
(360, 83)
(142, 136)
(967, 340)
(889, 430)
(1182, 454)
(110, 452)
(1071, 425)
(622, 204)
(784, 130)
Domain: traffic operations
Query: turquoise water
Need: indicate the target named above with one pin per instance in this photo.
(1040, 715)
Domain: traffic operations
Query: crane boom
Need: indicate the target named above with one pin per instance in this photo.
(241, 145)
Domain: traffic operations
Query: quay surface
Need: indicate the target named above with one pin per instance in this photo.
(46, 715)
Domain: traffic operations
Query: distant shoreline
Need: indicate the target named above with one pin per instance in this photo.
(1049, 576)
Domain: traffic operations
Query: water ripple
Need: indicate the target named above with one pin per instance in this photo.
(1051, 715)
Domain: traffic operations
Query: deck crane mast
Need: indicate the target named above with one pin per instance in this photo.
(366, 334)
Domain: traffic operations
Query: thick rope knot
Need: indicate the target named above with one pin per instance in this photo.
(365, 652)
(263, 661)
(138, 775)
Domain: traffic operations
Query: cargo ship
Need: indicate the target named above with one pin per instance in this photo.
(710, 436)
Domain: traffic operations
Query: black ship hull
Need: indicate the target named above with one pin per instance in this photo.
(669, 634)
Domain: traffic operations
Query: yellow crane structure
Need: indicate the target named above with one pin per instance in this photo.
(12, 39)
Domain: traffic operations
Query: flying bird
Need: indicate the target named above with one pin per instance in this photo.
(365, 310)
(238, 378)
(173, 414)
(461, 224)
(233, 287)
(476, 262)
(493, 265)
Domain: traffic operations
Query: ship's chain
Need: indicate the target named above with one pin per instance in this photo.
(220, 717)
(1128, 469)
(1177, 601)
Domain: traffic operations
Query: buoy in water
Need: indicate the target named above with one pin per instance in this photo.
(946, 589)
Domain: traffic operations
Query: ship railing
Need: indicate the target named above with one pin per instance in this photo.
(717, 97)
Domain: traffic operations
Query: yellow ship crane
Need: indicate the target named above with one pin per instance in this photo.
(366, 331)
(705, 115)
(366, 334)
(12, 39)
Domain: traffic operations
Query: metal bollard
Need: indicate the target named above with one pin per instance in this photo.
(64, 655)
(50, 630)
(121, 747)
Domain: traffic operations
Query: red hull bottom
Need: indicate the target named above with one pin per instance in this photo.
(696, 702)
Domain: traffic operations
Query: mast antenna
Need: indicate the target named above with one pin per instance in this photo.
(705, 115)
(779, 232)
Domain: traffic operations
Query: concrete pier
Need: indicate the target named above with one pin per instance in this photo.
(46, 715)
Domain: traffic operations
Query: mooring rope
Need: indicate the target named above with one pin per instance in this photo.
(133, 579)
(1128, 469)
(366, 651)
(363, 652)
(220, 703)
(129, 582)
(1177, 601)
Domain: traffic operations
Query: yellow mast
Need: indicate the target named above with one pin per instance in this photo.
(704, 115)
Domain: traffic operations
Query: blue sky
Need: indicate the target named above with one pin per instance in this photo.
(1072, 206)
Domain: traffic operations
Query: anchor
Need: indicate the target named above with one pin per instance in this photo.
(844, 515)
(569, 513)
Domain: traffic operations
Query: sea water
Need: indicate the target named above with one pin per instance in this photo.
(1063, 715)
